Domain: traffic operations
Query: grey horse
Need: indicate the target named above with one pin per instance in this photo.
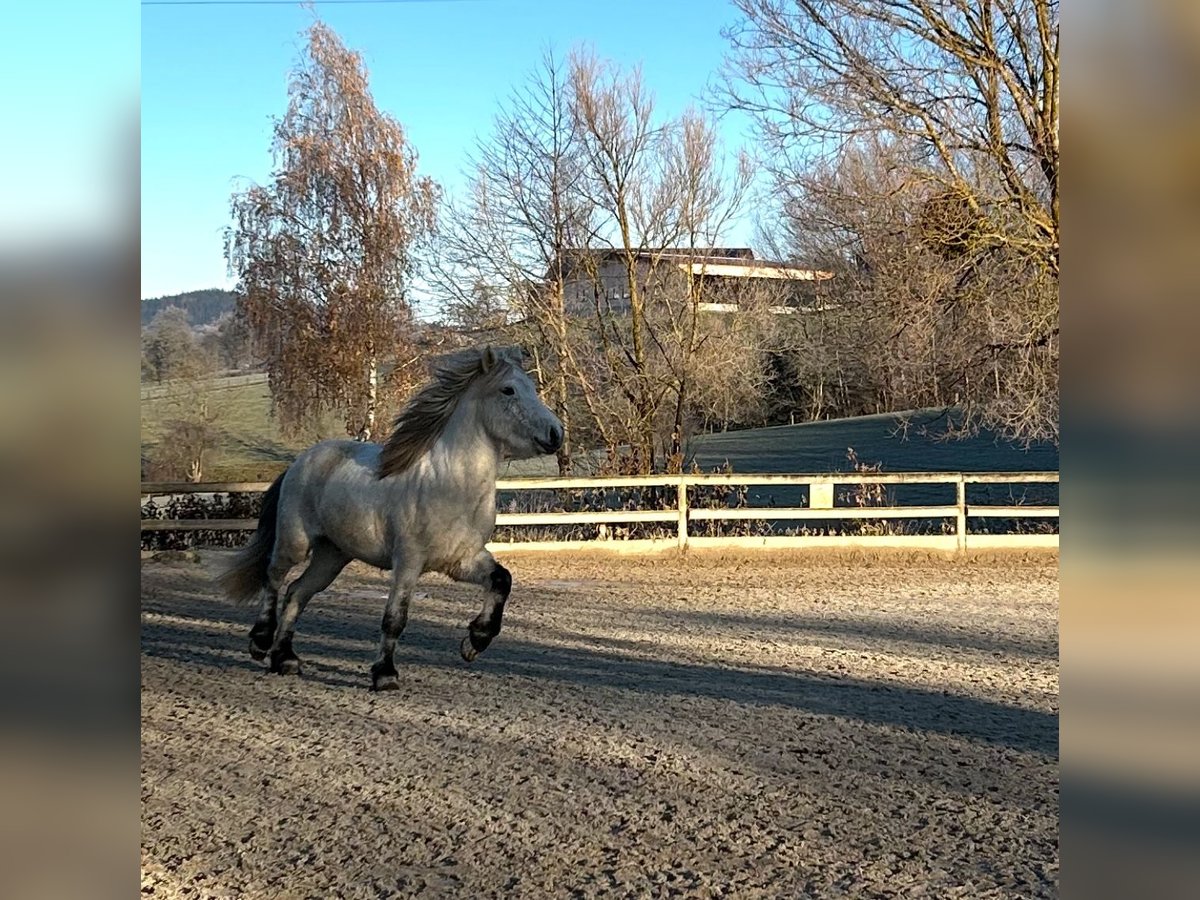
(423, 501)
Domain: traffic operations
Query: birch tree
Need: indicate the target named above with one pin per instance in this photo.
(326, 252)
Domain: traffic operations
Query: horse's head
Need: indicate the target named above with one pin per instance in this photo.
(484, 390)
(509, 408)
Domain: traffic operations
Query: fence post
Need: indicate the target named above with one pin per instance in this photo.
(683, 513)
(960, 528)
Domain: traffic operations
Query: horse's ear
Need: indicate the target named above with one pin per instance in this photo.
(488, 359)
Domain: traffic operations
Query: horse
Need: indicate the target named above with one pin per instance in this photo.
(423, 501)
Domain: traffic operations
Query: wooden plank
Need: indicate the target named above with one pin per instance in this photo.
(910, 512)
(1013, 512)
(199, 524)
(846, 542)
(1010, 477)
(640, 545)
(587, 518)
(681, 530)
(1012, 541)
(874, 478)
(841, 512)
(960, 510)
(530, 484)
(947, 543)
(213, 487)
(831, 478)
(550, 484)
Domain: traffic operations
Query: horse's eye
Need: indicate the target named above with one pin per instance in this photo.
(507, 391)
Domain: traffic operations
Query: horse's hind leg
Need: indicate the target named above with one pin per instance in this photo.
(326, 563)
(497, 581)
(288, 552)
(263, 632)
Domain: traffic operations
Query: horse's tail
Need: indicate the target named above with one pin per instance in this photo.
(247, 575)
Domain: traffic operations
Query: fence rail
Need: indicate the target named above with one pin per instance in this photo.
(158, 390)
(820, 507)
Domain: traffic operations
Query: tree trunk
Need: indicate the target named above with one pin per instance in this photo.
(675, 460)
(368, 428)
(564, 452)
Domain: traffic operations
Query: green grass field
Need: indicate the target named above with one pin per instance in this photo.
(252, 448)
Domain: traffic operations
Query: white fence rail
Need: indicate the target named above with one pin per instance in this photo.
(821, 506)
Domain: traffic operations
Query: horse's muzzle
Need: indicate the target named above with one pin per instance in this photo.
(552, 441)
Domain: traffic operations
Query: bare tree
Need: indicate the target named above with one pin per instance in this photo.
(972, 83)
(614, 114)
(168, 344)
(662, 196)
(325, 254)
(502, 259)
(577, 177)
(922, 139)
(725, 379)
(188, 413)
(701, 351)
(231, 341)
(926, 317)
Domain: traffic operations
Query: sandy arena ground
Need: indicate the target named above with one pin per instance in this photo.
(703, 726)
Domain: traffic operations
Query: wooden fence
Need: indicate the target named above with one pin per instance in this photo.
(820, 508)
(158, 390)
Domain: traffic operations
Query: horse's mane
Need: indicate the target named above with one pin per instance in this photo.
(424, 417)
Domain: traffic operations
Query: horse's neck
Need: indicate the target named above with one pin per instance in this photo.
(465, 460)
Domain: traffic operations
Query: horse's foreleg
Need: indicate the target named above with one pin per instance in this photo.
(326, 563)
(384, 676)
(497, 581)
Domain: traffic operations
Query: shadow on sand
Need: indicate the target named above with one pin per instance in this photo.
(214, 634)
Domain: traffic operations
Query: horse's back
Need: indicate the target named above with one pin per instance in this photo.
(330, 464)
(331, 492)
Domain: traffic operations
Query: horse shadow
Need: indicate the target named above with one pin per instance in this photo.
(336, 645)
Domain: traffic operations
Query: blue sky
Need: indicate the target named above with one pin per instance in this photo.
(212, 77)
(70, 71)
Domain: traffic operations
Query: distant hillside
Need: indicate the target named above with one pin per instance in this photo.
(202, 307)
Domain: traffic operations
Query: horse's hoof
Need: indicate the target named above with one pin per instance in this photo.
(289, 665)
(468, 652)
(386, 683)
(257, 652)
(384, 677)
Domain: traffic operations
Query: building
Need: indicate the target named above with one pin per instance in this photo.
(721, 277)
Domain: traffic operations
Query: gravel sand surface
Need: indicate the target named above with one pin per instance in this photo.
(699, 726)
